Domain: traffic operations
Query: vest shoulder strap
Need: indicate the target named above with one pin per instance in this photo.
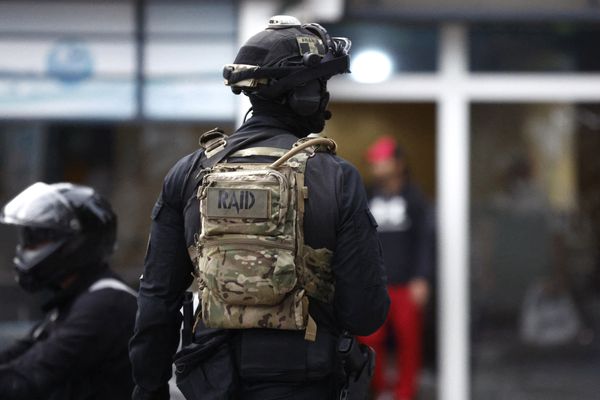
(259, 151)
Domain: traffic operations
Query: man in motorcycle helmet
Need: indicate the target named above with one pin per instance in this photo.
(66, 234)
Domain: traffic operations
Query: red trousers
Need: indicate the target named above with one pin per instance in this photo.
(405, 321)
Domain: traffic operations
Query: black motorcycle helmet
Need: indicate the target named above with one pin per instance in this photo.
(289, 63)
(64, 229)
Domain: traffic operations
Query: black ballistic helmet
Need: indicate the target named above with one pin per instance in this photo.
(63, 229)
(289, 62)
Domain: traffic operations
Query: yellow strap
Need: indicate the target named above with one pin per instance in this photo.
(300, 188)
(311, 330)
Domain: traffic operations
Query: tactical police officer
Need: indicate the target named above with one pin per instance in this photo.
(66, 233)
(281, 242)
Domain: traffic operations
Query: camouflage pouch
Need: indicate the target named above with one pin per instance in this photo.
(290, 314)
(248, 234)
(251, 260)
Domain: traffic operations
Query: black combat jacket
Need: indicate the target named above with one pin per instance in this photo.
(337, 217)
(79, 352)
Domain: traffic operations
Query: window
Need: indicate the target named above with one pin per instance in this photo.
(410, 48)
(187, 44)
(538, 47)
(55, 65)
(535, 263)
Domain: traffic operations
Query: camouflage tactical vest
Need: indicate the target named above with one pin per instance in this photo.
(253, 268)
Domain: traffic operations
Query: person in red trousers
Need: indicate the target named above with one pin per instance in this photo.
(406, 231)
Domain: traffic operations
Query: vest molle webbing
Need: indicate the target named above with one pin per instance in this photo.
(253, 268)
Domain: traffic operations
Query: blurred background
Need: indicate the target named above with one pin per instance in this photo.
(497, 104)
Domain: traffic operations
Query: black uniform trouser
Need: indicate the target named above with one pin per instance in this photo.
(311, 390)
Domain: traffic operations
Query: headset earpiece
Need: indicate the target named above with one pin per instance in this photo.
(311, 59)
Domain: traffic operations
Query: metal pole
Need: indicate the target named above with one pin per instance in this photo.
(140, 52)
(453, 189)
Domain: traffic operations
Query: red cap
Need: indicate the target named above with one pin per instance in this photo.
(383, 149)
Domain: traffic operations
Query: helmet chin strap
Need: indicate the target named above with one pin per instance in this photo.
(250, 110)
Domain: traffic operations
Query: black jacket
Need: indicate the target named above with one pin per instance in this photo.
(79, 352)
(407, 234)
(336, 217)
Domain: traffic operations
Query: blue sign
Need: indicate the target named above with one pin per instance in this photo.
(70, 61)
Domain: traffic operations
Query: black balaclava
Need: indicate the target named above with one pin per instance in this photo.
(300, 125)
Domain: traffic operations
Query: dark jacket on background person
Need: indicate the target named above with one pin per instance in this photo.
(406, 231)
(337, 217)
(79, 352)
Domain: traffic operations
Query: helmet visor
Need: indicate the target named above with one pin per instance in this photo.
(40, 206)
(28, 258)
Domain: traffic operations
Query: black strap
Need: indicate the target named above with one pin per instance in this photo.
(190, 182)
(259, 73)
(201, 163)
(324, 69)
(290, 76)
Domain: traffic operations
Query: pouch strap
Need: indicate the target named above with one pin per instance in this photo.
(193, 252)
(310, 333)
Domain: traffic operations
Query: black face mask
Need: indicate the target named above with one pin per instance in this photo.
(301, 126)
(296, 115)
(316, 122)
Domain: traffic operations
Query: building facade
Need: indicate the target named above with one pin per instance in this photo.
(497, 104)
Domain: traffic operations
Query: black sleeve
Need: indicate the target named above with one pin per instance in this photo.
(167, 274)
(15, 350)
(425, 242)
(76, 344)
(12, 381)
(361, 301)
